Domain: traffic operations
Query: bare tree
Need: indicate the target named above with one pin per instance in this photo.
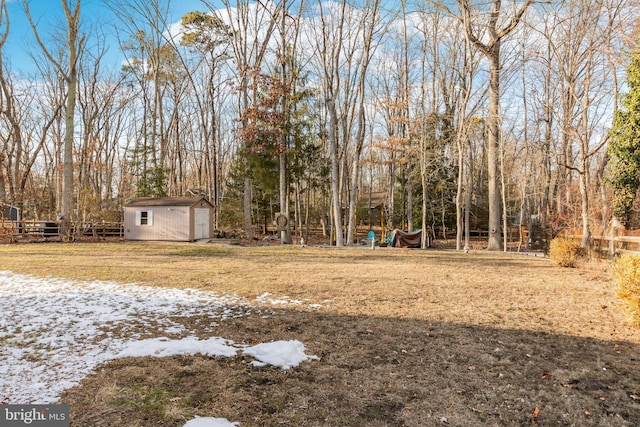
(468, 67)
(486, 29)
(329, 50)
(5, 23)
(148, 57)
(25, 119)
(69, 72)
(251, 29)
(368, 27)
(102, 103)
(448, 102)
(207, 35)
(581, 53)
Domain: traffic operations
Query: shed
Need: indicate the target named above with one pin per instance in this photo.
(11, 213)
(375, 202)
(178, 219)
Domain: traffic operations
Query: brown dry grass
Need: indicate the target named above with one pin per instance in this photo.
(407, 338)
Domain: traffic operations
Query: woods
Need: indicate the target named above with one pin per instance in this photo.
(485, 117)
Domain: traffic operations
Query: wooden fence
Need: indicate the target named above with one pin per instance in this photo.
(611, 245)
(32, 229)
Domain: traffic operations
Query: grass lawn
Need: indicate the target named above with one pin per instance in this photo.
(405, 337)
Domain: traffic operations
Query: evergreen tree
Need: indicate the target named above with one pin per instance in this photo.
(624, 146)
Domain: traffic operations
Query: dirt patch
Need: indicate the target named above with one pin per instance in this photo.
(376, 372)
(405, 338)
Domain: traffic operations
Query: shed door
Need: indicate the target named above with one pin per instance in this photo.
(201, 229)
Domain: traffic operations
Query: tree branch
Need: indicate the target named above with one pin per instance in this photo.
(4, 14)
(515, 20)
(46, 52)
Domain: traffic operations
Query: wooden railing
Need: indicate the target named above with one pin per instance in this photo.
(611, 245)
(43, 229)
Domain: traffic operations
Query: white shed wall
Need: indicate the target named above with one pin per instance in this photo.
(170, 223)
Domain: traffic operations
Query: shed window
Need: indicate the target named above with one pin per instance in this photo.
(144, 217)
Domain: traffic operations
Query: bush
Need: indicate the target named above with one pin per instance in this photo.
(626, 277)
(565, 253)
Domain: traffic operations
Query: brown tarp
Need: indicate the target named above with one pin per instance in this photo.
(402, 239)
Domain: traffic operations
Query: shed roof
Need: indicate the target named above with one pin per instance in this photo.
(165, 201)
(376, 200)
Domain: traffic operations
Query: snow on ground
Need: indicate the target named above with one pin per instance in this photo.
(284, 354)
(54, 332)
(266, 298)
(210, 422)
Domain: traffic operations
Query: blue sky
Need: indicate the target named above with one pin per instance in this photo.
(48, 15)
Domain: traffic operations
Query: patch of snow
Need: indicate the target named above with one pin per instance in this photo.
(264, 297)
(164, 347)
(279, 301)
(54, 332)
(284, 354)
(210, 422)
(283, 300)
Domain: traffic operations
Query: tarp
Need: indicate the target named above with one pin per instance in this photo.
(402, 239)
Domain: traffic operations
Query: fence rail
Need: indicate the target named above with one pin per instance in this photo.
(43, 229)
(611, 245)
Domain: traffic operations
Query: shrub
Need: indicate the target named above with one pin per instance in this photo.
(626, 277)
(565, 253)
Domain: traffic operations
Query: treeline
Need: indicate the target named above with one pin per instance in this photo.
(465, 115)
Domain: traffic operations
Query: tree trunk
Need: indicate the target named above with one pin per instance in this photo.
(285, 235)
(336, 205)
(491, 50)
(584, 197)
(246, 205)
(467, 204)
(70, 109)
(459, 194)
(493, 151)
